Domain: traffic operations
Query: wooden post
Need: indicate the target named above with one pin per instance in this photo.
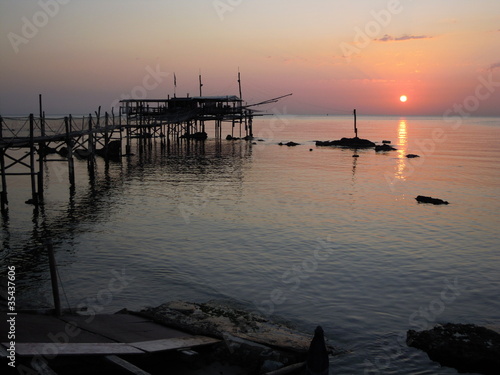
(41, 153)
(201, 84)
(90, 149)
(69, 145)
(53, 278)
(106, 136)
(355, 128)
(32, 161)
(127, 134)
(3, 193)
(119, 127)
(250, 127)
(90, 139)
(239, 82)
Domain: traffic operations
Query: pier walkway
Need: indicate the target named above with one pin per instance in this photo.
(43, 340)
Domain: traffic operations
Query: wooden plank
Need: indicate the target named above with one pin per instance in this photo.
(174, 343)
(33, 349)
(127, 366)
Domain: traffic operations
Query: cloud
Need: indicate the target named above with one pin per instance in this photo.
(389, 38)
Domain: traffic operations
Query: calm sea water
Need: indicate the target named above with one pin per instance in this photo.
(307, 233)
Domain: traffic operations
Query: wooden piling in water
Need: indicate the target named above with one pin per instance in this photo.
(34, 195)
(41, 153)
(106, 137)
(53, 278)
(69, 145)
(90, 149)
(3, 193)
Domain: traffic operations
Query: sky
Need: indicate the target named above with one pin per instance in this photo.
(334, 56)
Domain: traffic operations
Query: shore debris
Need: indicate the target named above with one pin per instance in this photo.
(465, 347)
(424, 199)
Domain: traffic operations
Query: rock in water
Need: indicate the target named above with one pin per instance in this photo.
(348, 142)
(384, 147)
(317, 356)
(424, 199)
(465, 347)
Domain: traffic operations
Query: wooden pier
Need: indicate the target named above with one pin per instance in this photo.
(175, 121)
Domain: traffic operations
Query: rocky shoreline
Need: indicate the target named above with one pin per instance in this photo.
(254, 342)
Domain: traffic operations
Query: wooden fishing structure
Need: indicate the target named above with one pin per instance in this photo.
(173, 120)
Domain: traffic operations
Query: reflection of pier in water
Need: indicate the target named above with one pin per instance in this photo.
(95, 203)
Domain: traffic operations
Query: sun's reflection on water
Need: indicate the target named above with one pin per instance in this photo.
(402, 145)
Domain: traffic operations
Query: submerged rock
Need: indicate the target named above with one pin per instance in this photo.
(63, 151)
(113, 150)
(289, 144)
(46, 150)
(424, 199)
(410, 156)
(384, 147)
(199, 136)
(81, 153)
(465, 347)
(348, 142)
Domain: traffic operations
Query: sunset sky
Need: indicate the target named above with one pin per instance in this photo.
(444, 55)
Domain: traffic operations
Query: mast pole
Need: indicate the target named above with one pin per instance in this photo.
(239, 83)
(201, 84)
(355, 128)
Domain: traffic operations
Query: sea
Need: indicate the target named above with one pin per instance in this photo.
(305, 234)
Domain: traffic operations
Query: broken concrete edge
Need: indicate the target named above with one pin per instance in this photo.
(236, 347)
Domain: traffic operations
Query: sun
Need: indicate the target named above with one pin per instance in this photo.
(403, 98)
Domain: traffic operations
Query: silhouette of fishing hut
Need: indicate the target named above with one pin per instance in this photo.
(185, 118)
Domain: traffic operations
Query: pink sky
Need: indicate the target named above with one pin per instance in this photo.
(333, 56)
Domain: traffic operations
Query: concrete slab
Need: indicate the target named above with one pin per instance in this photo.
(124, 327)
(34, 349)
(174, 343)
